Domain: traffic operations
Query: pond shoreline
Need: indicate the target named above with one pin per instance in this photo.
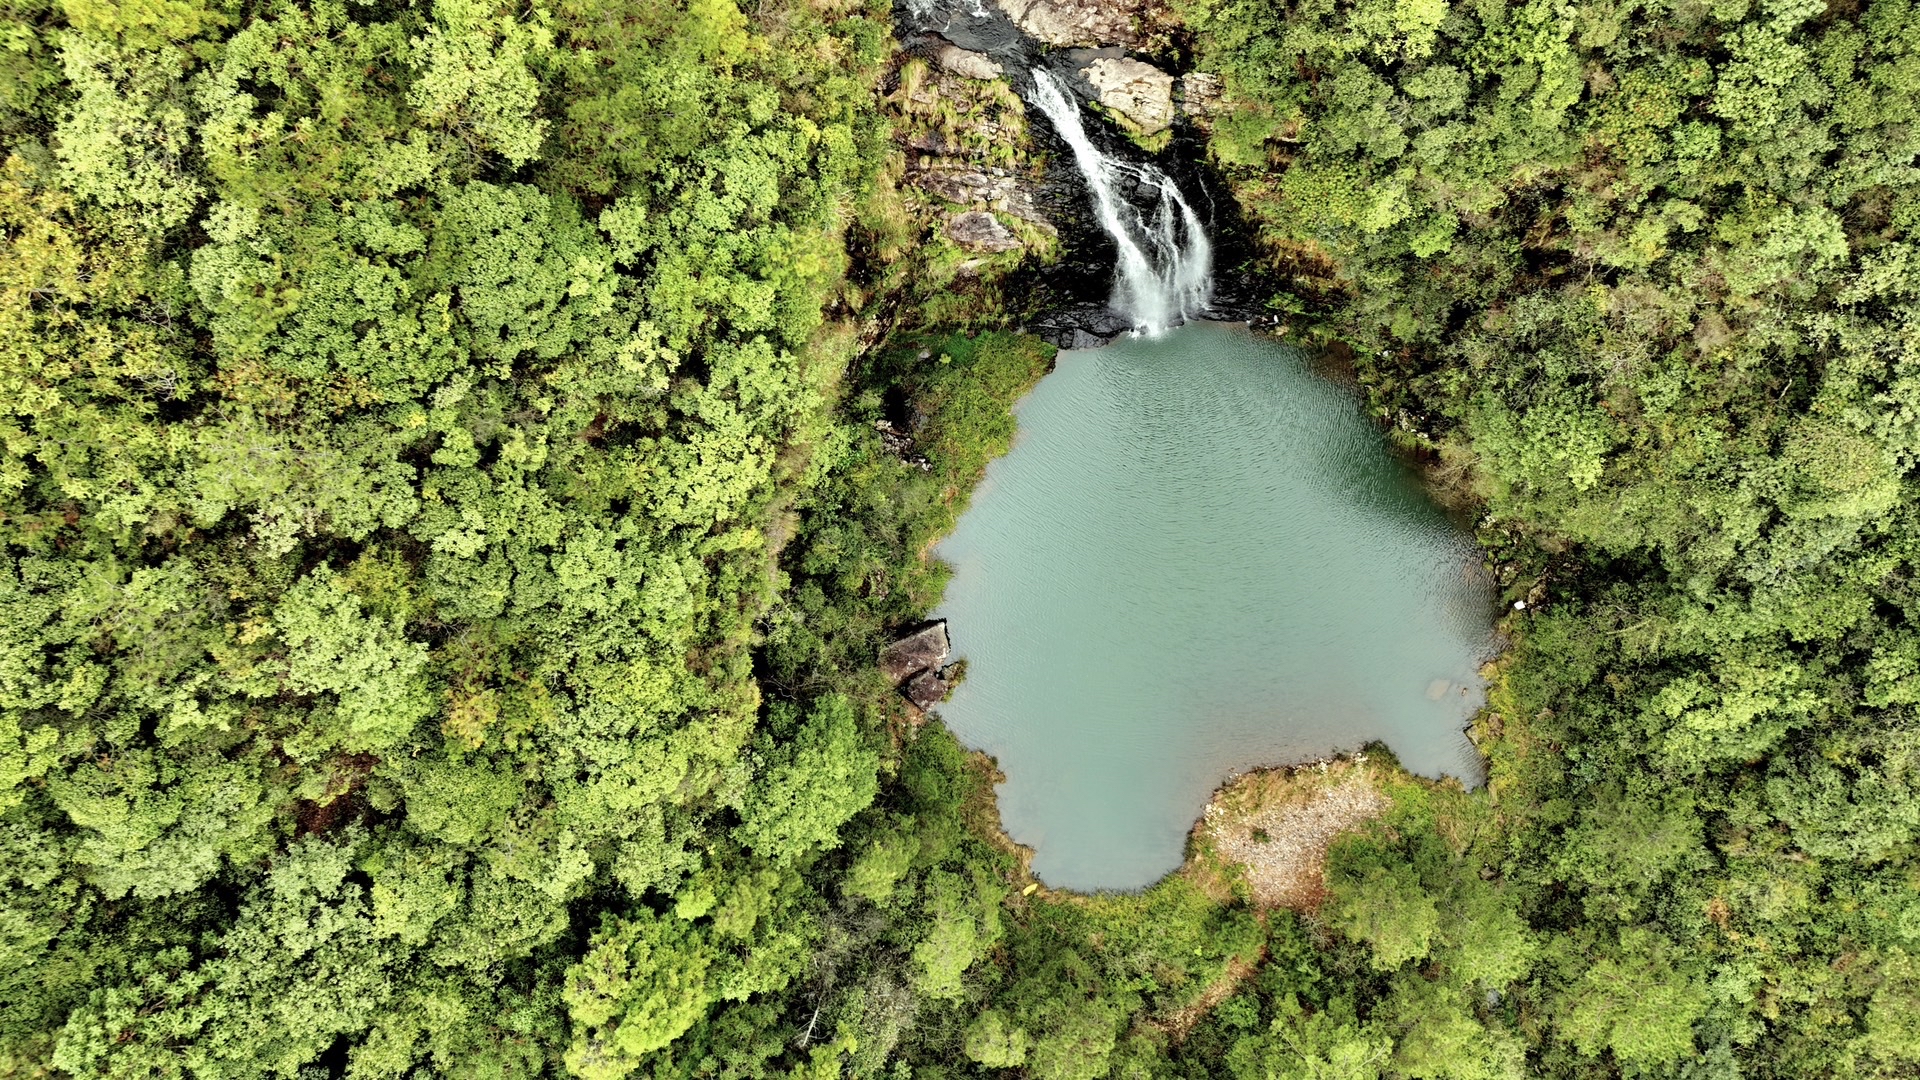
(1323, 554)
(1262, 838)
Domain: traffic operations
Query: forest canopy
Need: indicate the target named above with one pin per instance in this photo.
(445, 541)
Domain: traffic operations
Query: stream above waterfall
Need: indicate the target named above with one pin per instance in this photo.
(1199, 557)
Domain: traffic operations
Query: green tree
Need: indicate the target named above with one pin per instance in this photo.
(809, 787)
(475, 76)
(1381, 901)
(1639, 1001)
(641, 985)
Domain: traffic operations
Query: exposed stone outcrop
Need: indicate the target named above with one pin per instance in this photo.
(965, 63)
(1138, 91)
(966, 186)
(978, 230)
(1277, 825)
(1077, 22)
(945, 144)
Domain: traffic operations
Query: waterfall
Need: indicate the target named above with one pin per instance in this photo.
(1164, 273)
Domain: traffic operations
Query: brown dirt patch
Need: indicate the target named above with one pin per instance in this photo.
(1275, 826)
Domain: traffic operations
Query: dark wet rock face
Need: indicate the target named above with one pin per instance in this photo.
(980, 27)
(1081, 326)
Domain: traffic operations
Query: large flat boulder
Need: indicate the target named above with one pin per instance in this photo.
(965, 62)
(1077, 22)
(1141, 93)
(923, 650)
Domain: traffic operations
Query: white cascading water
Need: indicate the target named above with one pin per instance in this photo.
(1164, 273)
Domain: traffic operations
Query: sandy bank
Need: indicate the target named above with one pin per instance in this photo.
(1273, 827)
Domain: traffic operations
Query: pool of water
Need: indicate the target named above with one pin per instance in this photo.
(1199, 557)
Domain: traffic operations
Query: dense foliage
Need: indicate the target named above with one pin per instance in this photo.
(451, 499)
(397, 399)
(1648, 272)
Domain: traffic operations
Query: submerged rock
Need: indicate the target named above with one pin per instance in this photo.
(1076, 22)
(1138, 91)
(977, 230)
(924, 650)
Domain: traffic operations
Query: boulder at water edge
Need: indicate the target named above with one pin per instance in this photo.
(923, 650)
(926, 690)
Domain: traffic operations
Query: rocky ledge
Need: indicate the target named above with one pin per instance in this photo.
(977, 230)
(980, 187)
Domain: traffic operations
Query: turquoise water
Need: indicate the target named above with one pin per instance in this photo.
(1198, 558)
